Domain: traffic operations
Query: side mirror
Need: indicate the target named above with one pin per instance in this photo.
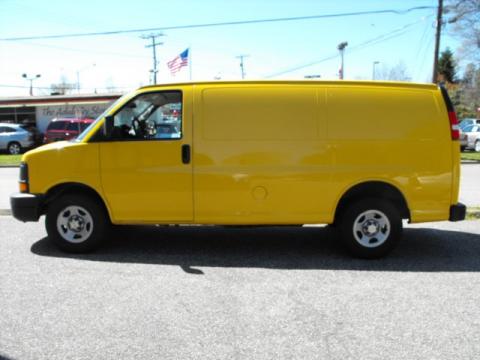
(108, 126)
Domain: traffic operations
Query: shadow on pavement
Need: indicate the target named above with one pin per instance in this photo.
(3, 357)
(276, 248)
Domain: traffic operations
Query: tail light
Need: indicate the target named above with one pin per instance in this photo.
(455, 130)
(452, 117)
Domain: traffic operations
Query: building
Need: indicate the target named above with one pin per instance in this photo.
(38, 111)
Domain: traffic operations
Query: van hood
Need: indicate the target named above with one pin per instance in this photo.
(55, 146)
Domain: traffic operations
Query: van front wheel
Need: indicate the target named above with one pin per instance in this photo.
(76, 223)
(370, 228)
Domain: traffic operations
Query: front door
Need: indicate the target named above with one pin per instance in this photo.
(146, 172)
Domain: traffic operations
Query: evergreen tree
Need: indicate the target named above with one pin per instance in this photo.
(446, 66)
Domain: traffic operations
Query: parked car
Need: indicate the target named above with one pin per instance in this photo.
(467, 122)
(470, 138)
(65, 128)
(14, 138)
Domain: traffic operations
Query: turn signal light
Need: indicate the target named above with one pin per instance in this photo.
(23, 187)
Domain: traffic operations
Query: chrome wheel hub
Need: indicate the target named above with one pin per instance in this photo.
(371, 228)
(74, 224)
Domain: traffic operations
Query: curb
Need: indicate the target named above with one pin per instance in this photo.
(9, 166)
(5, 212)
(473, 214)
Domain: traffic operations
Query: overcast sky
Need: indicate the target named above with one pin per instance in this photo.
(274, 48)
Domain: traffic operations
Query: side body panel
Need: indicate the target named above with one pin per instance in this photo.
(397, 135)
(260, 155)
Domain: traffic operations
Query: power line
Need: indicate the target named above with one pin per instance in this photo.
(243, 22)
(421, 52)
(63, 48)
(378, 39)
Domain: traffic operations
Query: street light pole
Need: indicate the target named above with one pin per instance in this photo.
(31, 81)
(341, 47)
(373, 69)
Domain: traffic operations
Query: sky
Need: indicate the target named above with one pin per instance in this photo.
(99, 63)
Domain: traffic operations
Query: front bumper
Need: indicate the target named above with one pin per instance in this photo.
(26, 207)
(457, 212)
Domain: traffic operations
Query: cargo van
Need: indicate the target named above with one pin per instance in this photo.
(360, 156)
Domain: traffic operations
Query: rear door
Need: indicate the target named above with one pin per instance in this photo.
(147, 174)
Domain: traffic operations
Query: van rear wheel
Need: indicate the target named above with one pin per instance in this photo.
(76, 223)
(370, 228)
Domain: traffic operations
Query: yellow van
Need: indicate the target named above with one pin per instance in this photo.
(361, 156)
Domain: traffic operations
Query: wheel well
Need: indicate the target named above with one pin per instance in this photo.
(375, 189)
(71, 188)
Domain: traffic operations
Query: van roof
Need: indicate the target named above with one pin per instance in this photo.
(304, 82)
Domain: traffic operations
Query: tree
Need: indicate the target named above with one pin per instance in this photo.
(465, 94)
(447, 66)
(397, 73)
(464, 17)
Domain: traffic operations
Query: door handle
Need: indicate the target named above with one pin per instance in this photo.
(186, 154)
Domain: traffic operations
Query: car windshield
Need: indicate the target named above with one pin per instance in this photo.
(100, 117)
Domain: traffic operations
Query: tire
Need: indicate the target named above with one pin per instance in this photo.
(463, 148)
(14, 148)
(76, 223)
(476, 147)
(370, 228)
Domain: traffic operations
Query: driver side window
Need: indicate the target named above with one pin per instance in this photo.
(151, 116)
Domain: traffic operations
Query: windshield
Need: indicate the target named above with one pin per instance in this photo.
(99, 118)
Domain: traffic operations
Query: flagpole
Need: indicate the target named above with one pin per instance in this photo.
(190, 64)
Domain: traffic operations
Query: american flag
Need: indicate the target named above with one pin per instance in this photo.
(176, 64)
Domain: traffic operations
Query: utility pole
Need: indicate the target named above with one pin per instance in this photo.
(154, 45)
(242, 66)
(31, 81)
(341, 47)
(437, 40)
(374, 64)
(78, 75)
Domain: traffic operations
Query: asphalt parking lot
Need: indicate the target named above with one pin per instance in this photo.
(240, 293)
